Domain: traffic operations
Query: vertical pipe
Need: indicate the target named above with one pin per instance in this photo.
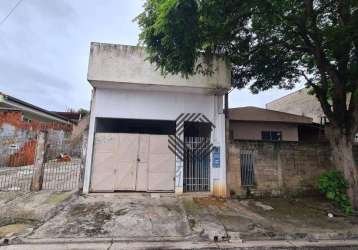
(192, 162)
(200, 165)
(196, 158)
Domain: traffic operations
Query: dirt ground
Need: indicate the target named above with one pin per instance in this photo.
(50, 215)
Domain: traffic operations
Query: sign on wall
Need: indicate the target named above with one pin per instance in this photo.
(216, 157)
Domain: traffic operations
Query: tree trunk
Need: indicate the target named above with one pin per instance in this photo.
(342, 152)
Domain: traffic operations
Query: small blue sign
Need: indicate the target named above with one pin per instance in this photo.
(216, 157)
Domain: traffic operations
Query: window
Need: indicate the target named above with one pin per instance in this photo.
(271, 135)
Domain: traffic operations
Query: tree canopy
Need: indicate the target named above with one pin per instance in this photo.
(268, 42)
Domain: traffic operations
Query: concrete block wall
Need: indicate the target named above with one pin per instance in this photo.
(280, 167)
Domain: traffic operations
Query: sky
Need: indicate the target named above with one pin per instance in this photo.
(44, 49)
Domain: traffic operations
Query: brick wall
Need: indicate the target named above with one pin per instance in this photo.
(280, 167)
(14, 118)
(15, 132)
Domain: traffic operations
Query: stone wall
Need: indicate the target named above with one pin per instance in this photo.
(280, 167)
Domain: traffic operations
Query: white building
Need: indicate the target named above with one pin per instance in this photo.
(153, 133)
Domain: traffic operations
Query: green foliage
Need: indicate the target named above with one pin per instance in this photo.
(275, 43)
(83, 112)
(269, 43)
(170, 34)
(334, 186)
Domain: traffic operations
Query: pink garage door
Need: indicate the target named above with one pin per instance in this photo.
(132, 162)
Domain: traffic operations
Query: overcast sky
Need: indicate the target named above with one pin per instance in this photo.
(44, 48)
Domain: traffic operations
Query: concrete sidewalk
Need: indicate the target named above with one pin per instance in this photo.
(22, 212)
(168, 221)
(114, 244)
(130, 216)
(152, 216)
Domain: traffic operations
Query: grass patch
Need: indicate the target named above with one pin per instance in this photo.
(58, 198)
(12, 229)
(191, 206)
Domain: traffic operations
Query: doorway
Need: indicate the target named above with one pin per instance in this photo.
(132, 155)
(196, 174)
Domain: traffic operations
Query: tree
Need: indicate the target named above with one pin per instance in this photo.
(268, 43)
(83, 112)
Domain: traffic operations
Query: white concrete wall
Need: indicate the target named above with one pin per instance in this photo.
(134, 104)
(150, 104)
(112, 64)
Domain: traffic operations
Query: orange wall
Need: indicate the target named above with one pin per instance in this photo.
(14, 118)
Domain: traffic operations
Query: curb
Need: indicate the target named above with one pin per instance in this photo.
(172, 242)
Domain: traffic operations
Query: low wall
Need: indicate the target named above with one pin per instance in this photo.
(280, 167)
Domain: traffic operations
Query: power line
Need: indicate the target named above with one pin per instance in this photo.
(10, 12)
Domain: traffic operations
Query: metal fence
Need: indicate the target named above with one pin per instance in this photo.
(63, 163)
(247, 161)
(16, 161)
(196, 164)
(61, 167)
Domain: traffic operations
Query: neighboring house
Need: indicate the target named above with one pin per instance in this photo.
(274, 153)
(301, 102)
(253, 123)
(278, 150)
(19, 123)
(74, 117)
(19, 118)
(153, 133)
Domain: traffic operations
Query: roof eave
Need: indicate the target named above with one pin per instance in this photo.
(11, 100)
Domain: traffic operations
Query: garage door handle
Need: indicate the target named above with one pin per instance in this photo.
(138, 160)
